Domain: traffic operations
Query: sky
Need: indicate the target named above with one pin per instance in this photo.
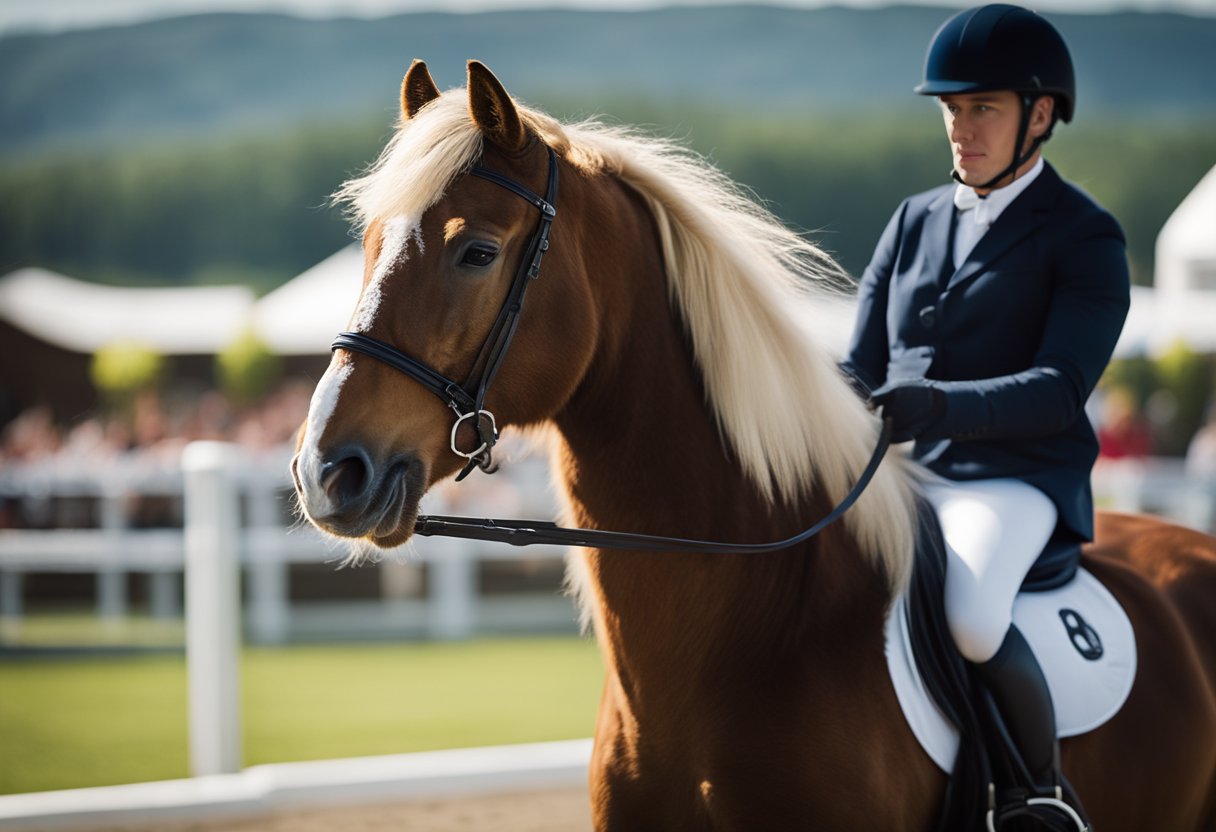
(53, 15)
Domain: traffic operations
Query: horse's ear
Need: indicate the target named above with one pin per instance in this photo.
(493, 110)
(417, 89)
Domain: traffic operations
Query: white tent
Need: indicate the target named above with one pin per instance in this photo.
(1182, 305)
(302, 316)
(1186, 246)
(82, 317)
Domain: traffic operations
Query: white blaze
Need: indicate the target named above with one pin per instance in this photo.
(394, 242)
(324, 400)
(395, 239)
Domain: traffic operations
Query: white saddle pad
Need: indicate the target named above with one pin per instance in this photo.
(1082, 638)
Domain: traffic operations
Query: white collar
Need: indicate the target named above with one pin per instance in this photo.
(988, 208)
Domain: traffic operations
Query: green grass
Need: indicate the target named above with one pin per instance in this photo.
(74, 722)
(81, 627)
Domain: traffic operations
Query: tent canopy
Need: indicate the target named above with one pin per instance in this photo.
(82, 317)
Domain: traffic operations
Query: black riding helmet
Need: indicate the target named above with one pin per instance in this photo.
(1002, 47)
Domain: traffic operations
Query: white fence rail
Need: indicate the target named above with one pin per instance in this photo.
(1158, 485)
(316, 784)
(451, 605)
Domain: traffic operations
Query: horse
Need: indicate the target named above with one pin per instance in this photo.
(663, 351)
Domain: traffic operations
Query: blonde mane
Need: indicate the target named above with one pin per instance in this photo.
(736, 274)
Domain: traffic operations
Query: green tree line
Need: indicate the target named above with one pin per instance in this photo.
(254, 210)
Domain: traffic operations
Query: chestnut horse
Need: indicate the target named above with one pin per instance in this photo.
(662, 348)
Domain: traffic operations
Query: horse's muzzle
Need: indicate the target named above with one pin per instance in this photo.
(351, 494)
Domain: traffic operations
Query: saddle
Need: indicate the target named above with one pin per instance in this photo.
(1081, 637)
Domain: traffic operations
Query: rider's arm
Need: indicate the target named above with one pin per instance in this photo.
(866, 362)
(1086, 315)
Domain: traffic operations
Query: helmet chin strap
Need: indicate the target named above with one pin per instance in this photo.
(1018, 160)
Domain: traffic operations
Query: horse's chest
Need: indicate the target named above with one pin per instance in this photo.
(772, 776)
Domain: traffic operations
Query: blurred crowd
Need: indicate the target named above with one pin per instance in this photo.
(1201, 453)
(52, 474)
(1126, 435)
(155, 428)
(143, 441)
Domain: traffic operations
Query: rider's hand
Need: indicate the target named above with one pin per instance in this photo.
(912, 407)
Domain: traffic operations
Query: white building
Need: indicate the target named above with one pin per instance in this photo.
(302, 316)
(82, 317)
(1182, 304)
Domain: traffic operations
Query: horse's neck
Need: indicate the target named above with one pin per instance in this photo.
(642, 452)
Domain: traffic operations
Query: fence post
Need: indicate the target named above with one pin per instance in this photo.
(268, 605)
(11, 600)
(165, 598)
(111, 579)
(212, 519)
(453, 590)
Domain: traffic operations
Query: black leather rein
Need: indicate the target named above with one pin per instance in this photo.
(536, 532)
(467, 401)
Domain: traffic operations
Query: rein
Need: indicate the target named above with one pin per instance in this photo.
(533, 532)
(467, 400)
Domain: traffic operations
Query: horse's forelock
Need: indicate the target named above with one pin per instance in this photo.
(428, 151)
(415, 168)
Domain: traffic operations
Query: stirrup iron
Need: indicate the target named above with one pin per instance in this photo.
(1055, 802)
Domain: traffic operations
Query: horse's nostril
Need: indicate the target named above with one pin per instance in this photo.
(347, 479)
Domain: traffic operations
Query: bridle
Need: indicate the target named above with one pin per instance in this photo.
(467, 402)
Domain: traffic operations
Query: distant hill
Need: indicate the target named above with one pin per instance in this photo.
(226, 73)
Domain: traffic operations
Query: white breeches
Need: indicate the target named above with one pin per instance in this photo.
(994, 530)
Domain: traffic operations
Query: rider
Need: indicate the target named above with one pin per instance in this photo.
(986, 317)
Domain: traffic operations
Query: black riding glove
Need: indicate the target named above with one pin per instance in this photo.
(913, 407)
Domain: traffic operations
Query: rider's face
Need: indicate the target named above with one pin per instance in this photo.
(982, 128)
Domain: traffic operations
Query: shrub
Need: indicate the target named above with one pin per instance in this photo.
(123, 369)
(247, 369)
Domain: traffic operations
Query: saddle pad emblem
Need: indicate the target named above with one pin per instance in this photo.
(1082, 638)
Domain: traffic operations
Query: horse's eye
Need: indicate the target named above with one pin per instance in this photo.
(479, 255)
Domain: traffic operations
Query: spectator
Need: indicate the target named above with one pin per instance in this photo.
(31, 436)
(1201, 452)
(1123, 432)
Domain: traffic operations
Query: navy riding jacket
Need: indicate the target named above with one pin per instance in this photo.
(1016, 338)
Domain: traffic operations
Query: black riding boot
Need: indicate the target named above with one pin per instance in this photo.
(1016, 682)
(1017, 685)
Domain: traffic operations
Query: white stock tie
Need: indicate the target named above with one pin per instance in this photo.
(966, 199)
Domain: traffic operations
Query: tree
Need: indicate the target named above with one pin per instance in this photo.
(123, 369)
(1187, 378)
(247, 368)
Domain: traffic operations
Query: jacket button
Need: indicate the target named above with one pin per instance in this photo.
(928, 317)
